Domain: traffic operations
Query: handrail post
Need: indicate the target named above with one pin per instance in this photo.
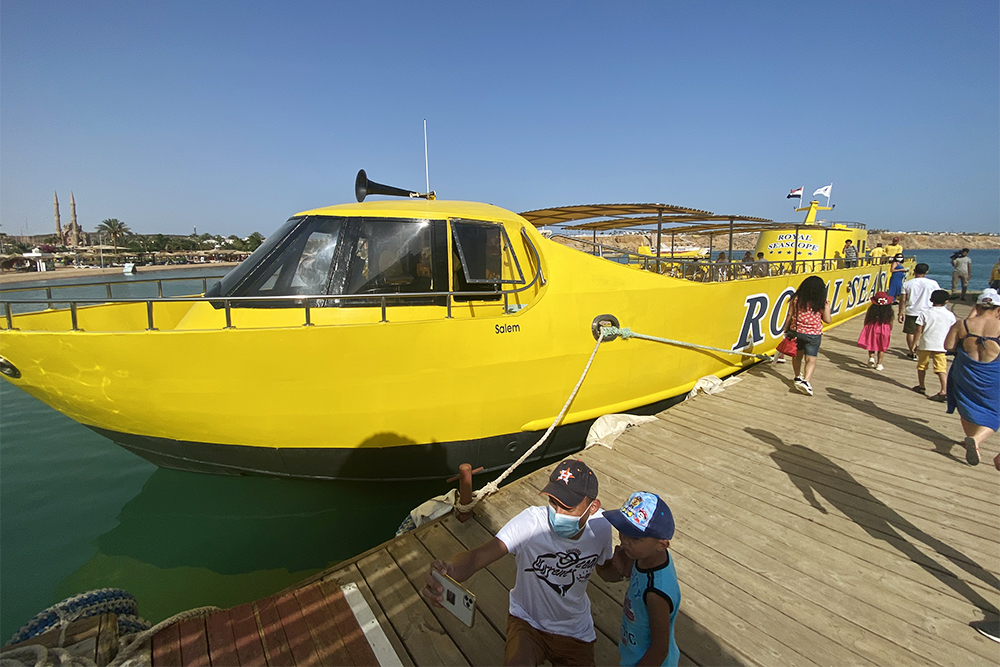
(448, 304)
(308, 322)
(159, 288)
(149, 316)
(107, 287)
(229, 315)
(383, 310)
(204, 285)
(72, 315)
(48, 295)
(10, 316)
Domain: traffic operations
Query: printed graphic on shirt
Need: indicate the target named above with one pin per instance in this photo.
(563, 569)
(627, 609)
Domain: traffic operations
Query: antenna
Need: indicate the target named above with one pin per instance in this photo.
(427, 171)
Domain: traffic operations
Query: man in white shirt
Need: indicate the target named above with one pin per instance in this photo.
(933, 326)
(556, 549)
(915, 298)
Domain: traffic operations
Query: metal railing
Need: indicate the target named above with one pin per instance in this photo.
(305, 301)
(708, 270)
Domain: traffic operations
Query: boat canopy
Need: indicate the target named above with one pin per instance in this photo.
(563, 214)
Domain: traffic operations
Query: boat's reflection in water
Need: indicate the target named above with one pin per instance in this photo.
(188, 540)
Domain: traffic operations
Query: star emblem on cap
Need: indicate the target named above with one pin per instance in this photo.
(565, 476)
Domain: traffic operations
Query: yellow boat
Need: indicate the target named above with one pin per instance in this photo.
(397, 339)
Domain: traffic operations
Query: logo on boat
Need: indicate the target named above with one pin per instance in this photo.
(788, 241)
(507, 328)
(844, 293)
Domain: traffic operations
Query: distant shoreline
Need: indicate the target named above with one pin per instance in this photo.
(75, 272)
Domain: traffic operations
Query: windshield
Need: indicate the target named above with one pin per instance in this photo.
(327, 255)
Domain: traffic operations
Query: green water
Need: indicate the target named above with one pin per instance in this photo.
(77, 512)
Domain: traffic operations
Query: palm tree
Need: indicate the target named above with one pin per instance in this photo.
(115, 229)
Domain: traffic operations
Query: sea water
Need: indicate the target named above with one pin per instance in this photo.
(78, 512)
(939, 262)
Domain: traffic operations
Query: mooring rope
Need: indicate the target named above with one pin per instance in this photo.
(607, 333)
(493, 486)
(627, 333)
(135, 642)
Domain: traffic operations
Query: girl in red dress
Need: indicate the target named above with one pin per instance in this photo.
(877, 330)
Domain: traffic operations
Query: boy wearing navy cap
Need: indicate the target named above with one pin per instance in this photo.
(556, 549)
(645, 525)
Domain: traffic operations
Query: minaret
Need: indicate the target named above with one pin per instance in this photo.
(55, 202)
(74, 229)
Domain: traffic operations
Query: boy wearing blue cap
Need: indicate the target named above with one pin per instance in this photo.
(645, 525)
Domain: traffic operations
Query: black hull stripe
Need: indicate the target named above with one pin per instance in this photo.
(402, 462)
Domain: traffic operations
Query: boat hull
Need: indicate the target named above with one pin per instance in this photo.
(408, 398)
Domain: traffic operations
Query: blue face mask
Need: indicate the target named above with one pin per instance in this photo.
(564, 525)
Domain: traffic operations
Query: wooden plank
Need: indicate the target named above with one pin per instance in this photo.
(860, 584)
(842, 491)
(859, 526)
(194, 642)
(354, 637)
(221, 639)
(877, 480)
(326, 636)
(491, 595)
(167, 647)
(272, 632)
(246, 632)
(107, 640)
(480, 644)
(297, 632)
(424, 638)
(351, 574)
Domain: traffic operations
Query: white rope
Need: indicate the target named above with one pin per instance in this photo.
(493, 486)
(606, 333)
(123, 659)
(627, 333)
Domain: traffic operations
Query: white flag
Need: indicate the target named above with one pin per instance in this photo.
(825, 191)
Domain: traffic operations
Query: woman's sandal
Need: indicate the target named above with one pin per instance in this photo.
(971, 451)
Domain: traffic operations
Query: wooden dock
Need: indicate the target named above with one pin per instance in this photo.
(840, 529)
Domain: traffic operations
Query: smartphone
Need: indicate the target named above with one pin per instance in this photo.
(457, 600)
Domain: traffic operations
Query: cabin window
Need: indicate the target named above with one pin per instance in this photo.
(332, 256)
(480, 250)
(392, 256)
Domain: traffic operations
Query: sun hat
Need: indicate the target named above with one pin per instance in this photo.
(571, 482)
(881, 298)
(643, 515)
(899, 257)
(989, 297)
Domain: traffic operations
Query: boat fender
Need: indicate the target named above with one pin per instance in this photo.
(604, 322)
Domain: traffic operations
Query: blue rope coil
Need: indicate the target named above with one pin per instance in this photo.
(91, 603)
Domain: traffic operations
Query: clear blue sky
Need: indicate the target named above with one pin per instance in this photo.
(231, 116)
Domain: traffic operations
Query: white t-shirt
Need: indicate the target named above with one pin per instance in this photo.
(936, 321)
(918, 294)
(552, 572)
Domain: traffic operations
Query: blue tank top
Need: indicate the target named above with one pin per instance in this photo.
(636, 639)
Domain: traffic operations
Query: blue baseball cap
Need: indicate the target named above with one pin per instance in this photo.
(643, 515)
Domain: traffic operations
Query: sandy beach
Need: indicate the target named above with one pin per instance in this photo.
(10, 278)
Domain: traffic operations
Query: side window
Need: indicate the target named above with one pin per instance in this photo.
(480, 250)
(392, 257)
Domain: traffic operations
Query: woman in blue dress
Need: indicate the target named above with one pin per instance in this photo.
(896, 274)
(974, 378)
